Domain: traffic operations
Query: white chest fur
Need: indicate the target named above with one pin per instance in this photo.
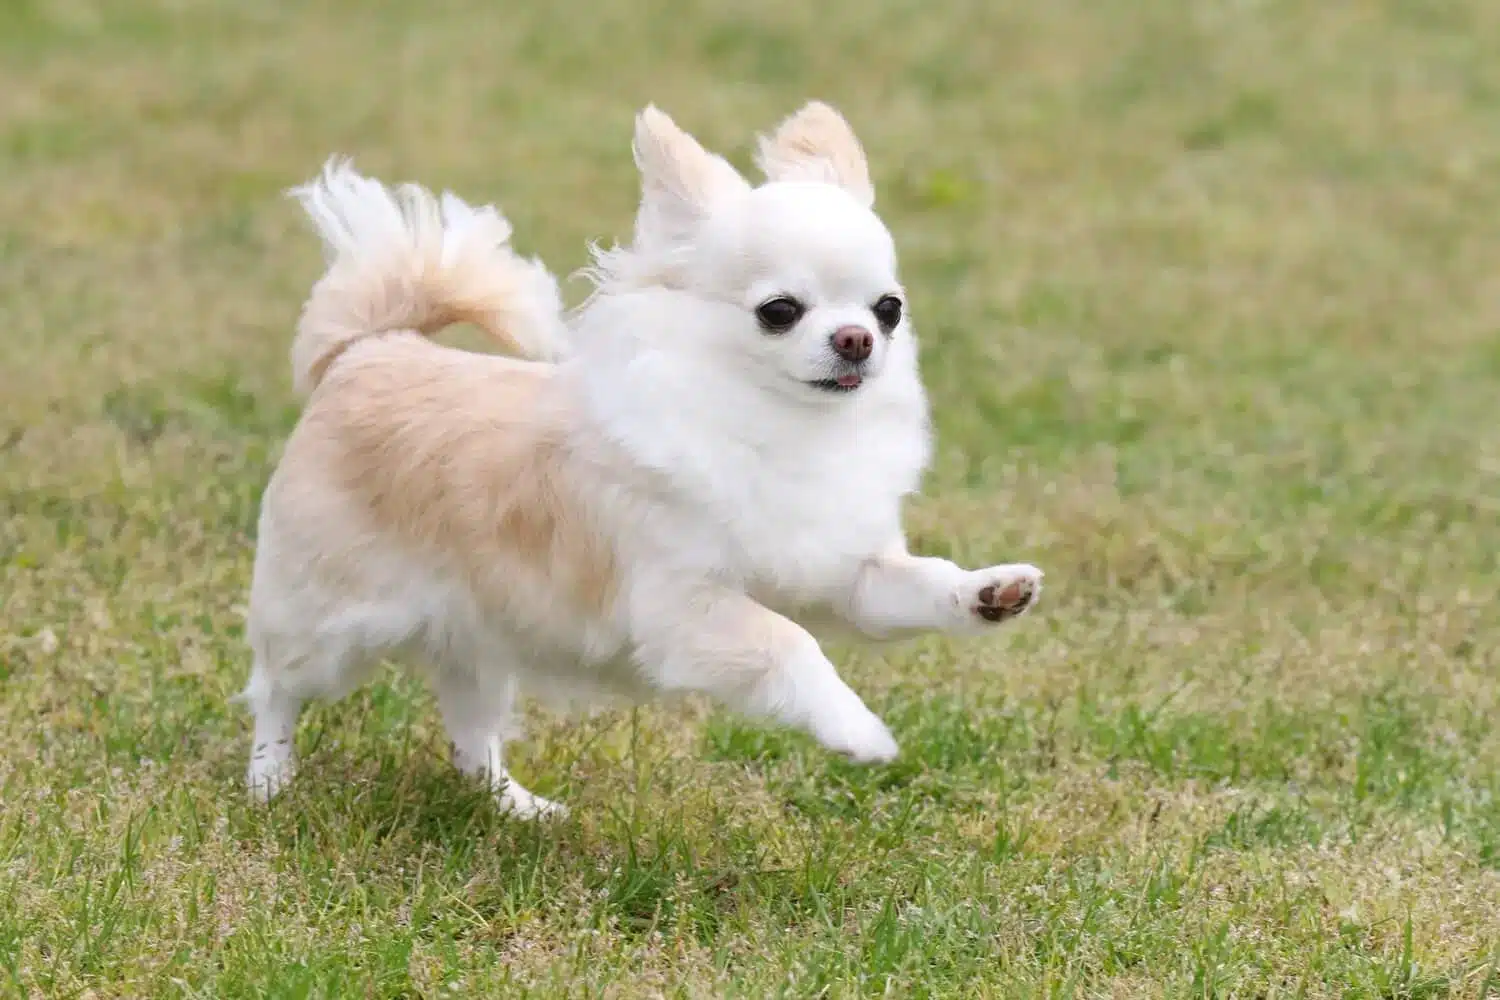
(787, 500)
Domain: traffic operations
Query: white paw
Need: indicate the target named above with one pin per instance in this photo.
(522, 804)
(858, 734)
(1000, 593)
(271, 771)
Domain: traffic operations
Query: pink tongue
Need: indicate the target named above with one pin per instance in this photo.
(849, 381)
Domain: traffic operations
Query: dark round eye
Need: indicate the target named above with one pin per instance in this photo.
(780, 314)
(888, 312)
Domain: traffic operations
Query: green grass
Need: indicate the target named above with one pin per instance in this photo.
(1210, 304)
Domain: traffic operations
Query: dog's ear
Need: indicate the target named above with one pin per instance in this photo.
(680, 180)
(817, 144)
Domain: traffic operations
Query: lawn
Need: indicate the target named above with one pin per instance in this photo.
(1209, 299)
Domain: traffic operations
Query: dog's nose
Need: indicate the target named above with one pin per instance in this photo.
(852, 343)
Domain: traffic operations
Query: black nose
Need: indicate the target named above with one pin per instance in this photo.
(852, 343)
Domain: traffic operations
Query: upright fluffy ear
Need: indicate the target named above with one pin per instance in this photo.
(817, 144)
(680, 180)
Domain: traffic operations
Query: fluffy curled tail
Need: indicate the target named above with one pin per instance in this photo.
(403, 259)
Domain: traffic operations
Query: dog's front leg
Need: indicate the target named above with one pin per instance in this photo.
(897, 592)
(755, 661)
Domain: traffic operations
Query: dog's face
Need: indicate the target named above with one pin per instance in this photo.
(814, 274)
(799, 273)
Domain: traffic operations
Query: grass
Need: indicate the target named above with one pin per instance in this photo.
(1208, 295)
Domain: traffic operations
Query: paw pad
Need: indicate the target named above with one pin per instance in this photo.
(1000, 601)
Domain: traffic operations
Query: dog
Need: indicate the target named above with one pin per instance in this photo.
(661, 493)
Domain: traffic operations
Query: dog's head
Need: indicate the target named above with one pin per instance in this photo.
(794, 281)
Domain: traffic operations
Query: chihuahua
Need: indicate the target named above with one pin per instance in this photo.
(668, 491)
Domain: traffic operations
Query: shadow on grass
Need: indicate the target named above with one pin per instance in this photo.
(644, 866)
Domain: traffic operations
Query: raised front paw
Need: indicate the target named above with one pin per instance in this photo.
(1001, 593)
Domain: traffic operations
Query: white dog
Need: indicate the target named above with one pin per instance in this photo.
(714, 449)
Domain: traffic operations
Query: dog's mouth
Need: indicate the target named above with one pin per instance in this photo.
(844, 383)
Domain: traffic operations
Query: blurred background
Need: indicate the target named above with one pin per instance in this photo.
(1208, 293)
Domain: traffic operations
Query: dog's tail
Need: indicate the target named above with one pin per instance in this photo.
(405, 259)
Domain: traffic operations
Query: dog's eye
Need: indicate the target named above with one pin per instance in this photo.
(780, 314)
(887, 312)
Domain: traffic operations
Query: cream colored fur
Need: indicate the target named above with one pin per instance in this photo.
(403, 260)
(817, 145)
(648, 500)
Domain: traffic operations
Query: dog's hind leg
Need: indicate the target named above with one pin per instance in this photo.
(478, 711)
(276, 708)
(298, 659)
